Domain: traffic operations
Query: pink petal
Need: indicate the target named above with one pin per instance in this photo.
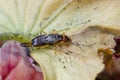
(15, 64)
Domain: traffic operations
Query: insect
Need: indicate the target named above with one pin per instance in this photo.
(49, 39)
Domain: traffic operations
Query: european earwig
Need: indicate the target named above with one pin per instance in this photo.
(49, 39)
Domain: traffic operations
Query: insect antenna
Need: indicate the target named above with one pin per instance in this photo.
(26, 44)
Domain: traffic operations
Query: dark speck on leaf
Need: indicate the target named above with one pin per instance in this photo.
(79, 0)
(59, 59)
(95, 8)
(77, 7)
(67, 53)
(64, 67)
(89, 20)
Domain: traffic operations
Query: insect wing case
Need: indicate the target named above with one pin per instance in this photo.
(54, 38)
(38, 41)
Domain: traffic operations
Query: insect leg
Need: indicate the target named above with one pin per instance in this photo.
(28, 44)
(54, 32)
(47, 45)
(55, 50)
(64, 38)
(43, 32)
